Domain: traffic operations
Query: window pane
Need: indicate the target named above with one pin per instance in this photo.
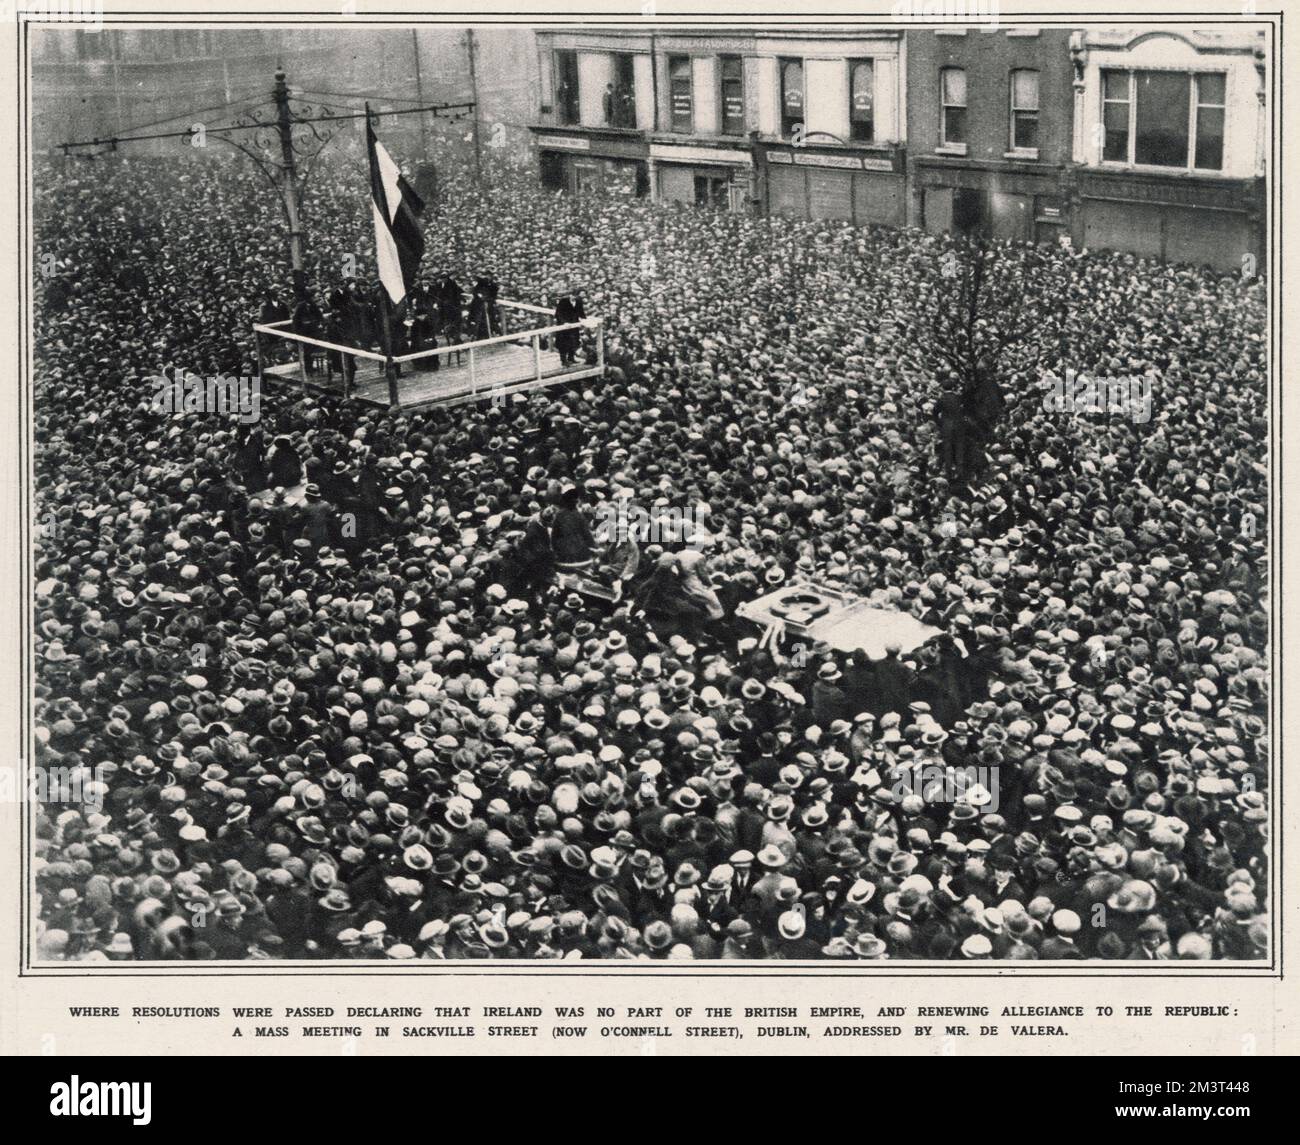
(1209, 138)
(1114, 85)
(862, 88)
(1024, 90)
(954, 87)
(1162, 110)
(1026, 129)
(679, 72)
(954, 125)
(1209, 88)
(1115, 120)
(624, 94)
(792, 89)
(733, 96)
(566, 93)
(860, 102)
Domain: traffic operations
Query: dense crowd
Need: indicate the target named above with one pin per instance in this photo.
(368, 724)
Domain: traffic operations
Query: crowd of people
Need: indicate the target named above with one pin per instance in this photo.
(367, 721)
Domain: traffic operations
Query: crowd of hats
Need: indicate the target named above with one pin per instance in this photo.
(401, 750)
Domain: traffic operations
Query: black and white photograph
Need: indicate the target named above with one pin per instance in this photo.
(650, 489)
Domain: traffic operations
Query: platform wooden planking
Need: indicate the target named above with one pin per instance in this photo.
(498, 372)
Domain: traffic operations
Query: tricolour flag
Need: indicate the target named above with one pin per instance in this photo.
(399, 242)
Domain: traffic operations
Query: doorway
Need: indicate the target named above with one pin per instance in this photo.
(713, 191)
(969, 214)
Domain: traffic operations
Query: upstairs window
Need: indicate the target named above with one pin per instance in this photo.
(952, 100)
(792, 96)
(622, 109)
(1024, 110)
(1210, 109)
(566, 87)
(1164, 119)
(862, 101)
(1114, 116)
(680, 94)
(733, 95)
(1160, 112)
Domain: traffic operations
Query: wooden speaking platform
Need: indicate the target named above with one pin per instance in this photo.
(497, 374)
(487, 369)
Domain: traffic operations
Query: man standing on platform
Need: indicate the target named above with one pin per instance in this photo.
(423, 337)
(358, 328)
(568, 309)
(392, 333)
(483, 308)
(271, 312)
(309, 322)
(450, 312)
(337, 328)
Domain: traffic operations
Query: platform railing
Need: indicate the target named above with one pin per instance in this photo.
(532, 336)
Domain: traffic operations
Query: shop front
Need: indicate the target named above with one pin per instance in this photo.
(589, 164)
(717, 178)
(1008, 201)
(807, 183)
(1203, 221)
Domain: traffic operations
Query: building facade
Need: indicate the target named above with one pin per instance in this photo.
(596, 111)
(802, 123)
(990, 119)
(1170, 143)
(831, 129)
(1152, 141)
(659, 114)
(705, 89)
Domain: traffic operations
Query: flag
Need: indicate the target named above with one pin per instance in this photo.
(399, 242)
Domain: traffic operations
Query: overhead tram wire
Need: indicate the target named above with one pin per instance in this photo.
(282, 166)
(233, 103)
(115, 139)
(356, 95)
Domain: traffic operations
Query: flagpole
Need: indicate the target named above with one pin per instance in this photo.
(386, 320)
(385, 307)
(390, 370)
